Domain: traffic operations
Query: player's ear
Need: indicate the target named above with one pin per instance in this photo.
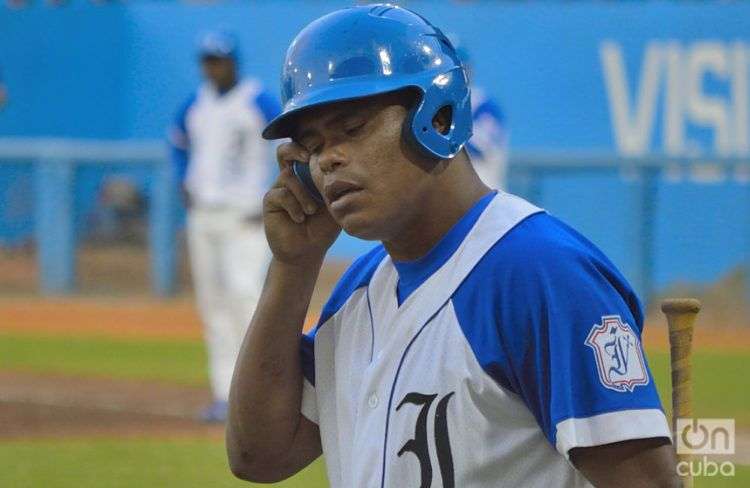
(442, 119)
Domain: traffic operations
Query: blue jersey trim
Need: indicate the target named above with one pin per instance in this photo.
(180, 161)
(181, 117)
(411, 274)
(526, 310)
(372, 326)
(180, 152)
(476, 306)
(357, 276)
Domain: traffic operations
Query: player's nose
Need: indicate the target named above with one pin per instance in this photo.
(331, 158)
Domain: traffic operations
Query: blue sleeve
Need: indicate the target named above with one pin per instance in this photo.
(179, 142)
(179, 163)
(267, 105)
(563, 332)
(562, 297)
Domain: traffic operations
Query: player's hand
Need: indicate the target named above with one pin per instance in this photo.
(299, 230)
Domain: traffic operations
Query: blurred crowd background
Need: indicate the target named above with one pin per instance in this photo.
(629, 120)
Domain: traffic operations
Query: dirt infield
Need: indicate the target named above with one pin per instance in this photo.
(50, 406)
(117, 318)
(34, 406)
(54, 406)
(43, 405)
(146, 318)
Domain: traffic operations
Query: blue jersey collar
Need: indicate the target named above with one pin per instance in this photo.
(412, 274)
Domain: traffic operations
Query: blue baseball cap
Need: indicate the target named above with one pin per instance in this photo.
(218, 44)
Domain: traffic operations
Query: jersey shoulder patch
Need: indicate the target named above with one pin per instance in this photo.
(504, 300)
(619, 356)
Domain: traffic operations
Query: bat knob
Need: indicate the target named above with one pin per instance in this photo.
(680, 305)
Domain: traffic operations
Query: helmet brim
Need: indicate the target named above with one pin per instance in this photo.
(284, 124)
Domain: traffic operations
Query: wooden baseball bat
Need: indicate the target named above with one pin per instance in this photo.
(681, 313)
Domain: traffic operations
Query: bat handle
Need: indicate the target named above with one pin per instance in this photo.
(681, 313)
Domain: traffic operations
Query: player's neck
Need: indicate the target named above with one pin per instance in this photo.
(226, 86)
(441, 210)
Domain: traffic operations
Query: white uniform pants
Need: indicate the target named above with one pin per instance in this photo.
(229, 258)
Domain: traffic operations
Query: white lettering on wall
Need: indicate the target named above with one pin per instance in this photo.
(680, 73)
(633, 129)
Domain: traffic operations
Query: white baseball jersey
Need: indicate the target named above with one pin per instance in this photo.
(481, 364)
(221, 158)
(229, 162)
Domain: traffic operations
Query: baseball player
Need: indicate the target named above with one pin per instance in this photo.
(483, 343)
(223, 164)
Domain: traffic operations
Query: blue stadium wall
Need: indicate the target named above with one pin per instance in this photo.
(622, 78)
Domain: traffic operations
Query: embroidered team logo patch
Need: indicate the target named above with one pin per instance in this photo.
(619, 357)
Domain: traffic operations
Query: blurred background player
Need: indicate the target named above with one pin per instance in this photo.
(223, 166)
(488, 146)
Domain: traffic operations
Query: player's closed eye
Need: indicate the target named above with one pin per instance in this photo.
(354, 129)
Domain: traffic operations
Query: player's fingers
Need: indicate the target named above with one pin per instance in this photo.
(290, 181)
(291, 151)
(282, 199)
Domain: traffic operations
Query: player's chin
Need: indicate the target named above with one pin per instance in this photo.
(356, 214)
(362, 224)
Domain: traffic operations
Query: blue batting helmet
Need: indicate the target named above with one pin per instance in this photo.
(368, 50)
(461, 51)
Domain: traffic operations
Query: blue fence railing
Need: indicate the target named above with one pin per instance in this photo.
(659, 218)
(655, 218)
(53, 164)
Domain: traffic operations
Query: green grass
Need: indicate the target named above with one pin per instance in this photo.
(720, 391)
(181, 362)
(149, 463)
(128, 463)
(719, 388)
(741, 479)
(719, 384)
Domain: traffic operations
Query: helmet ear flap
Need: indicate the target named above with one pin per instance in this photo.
(444, 116)
(446, 90)
(414, 131)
